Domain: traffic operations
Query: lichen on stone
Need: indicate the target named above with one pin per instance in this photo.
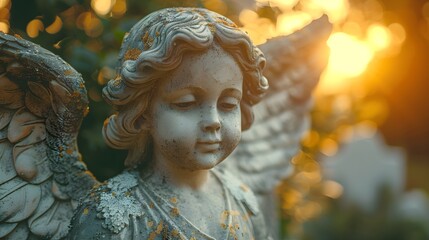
(117, 204)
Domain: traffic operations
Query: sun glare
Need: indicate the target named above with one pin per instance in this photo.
(102, 7)
(349, 55)
(379, 37)
(353, 45)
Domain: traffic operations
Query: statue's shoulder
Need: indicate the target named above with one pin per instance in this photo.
(240, 191)
(108, 208)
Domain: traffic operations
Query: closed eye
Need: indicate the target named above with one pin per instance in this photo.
(184, 102)
(229, 103)
(183, 105)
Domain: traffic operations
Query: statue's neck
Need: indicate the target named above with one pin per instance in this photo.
(179, 177)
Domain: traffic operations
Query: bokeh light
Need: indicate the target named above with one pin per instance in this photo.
(379, 37)
(4, 15)
(34, 27)
(4, 27)
(4, 3)
(119, 8)
(332, 189)
(218, 6)
(358, 38)
(55, 26)
(90, 23)
(102, 7)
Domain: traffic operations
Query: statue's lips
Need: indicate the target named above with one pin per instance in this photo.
(208, 146)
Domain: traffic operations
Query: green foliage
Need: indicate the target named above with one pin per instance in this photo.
(341, 220)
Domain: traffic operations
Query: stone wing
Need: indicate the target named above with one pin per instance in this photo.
(42, 103)
(294, 65)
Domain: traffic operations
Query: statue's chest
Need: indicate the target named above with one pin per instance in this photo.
(221, 217)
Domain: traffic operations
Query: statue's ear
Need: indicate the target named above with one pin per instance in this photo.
(142, 122)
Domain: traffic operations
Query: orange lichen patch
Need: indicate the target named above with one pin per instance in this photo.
(151, 205)
(157, 34)
(174, 212)
(117, 82)
(223, 225)
(237, 226)
(173, 200)
(244, 188)
(145, 37)
(225, 22)
(223, 216)
(68, 72)
(85, 211)
(76, 94)
(132, 54)
(148, 43)
(152, 235)
(159, 227)
(231, 229)
(106, 122)
(86, 111)
(245, 217)
(175, 233)
(147, 40)
(232, 213)
(150, 224)
(69, 151)
(212, 27)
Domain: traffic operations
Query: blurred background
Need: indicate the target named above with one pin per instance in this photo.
(363, 171)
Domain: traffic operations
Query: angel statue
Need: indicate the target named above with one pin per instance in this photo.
(186, 84)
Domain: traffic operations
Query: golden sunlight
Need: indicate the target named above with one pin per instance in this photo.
(290, 22)
(337, 10)
(349, 55)
(379, 37)
(398, 34)
(102, 7)
(352, 47)
(259, 29)
(284, 5)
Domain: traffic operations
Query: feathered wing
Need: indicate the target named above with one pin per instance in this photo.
(42, 104)
(294, 65)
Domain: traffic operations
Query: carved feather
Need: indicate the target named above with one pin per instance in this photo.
(42, 103)
(294, 64)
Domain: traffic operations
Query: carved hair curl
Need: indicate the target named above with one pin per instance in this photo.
(155, 46)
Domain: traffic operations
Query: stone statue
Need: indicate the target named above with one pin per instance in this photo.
(187, 81)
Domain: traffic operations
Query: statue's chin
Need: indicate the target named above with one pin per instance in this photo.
(203, 161)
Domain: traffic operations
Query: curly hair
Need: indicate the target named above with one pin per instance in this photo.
(155, 46)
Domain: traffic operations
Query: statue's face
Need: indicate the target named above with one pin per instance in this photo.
(195, 113)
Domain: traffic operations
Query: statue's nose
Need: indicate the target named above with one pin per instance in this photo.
(210, 120)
